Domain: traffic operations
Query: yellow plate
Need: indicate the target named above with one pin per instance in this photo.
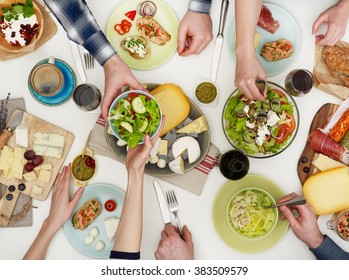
(220, 220)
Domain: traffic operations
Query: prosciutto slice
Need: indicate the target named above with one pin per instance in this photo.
(321, 143)
(266, 20)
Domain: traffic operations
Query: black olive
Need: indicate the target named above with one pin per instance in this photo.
(306, 169)
(304, 159)
(9, 196)
(11, 188)
(21, 187)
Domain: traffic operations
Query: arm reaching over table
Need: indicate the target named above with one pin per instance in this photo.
(336, 17)
(306, 228)
(61, 209)
(82, 28)
(195, 29)
(248, 68)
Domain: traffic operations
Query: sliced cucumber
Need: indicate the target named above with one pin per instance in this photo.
(144, 126)
(127, 126)
(127, 105)
(138, 105)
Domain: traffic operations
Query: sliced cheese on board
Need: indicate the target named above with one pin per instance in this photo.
(48, 145)
(323, 162)
(196, 126)
(186, 144)
(21, 135)
(163, 147)
(174, 104)
(18, 163)
(328, 191)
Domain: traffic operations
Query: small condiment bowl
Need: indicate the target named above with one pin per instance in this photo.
(339, 223)
(203, 89)
(79, 165)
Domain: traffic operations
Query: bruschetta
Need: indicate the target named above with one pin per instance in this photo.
(276, 50)
(86, 214)
(137, 46)
(152, 30)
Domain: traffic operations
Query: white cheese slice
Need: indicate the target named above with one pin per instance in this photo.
(47, 166)
(44, 175)
(177, 165)
(49, 145)
(111, 225)
(196, 126)
(37, 190)
(186, 144)
(323, 162)
(18, 163)
(163, 147)
(155, 148)
(30, 176)
(21, 136)
(6, 160)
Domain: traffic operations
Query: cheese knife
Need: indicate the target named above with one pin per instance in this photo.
(78, 62)
(162, 203)
(8, 131)
(219, 40)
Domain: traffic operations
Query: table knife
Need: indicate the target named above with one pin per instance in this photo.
(219, 40)
(78, 61)
(162, 203)
(8, 131)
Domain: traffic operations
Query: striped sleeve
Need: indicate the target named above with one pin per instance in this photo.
(200, 6)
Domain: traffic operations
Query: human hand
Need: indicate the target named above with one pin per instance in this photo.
(117, 75)
(248, 70)
(61, 205)
(336, 18)
(304, 226)
(137, 157)
(194, 33)
(172, 247)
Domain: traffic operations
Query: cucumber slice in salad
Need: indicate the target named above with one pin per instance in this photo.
(144, 126)
(127, 126)
(138, 106)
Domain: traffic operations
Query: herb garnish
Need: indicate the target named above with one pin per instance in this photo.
(26, 9)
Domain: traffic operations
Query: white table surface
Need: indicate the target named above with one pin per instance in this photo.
(195, 211)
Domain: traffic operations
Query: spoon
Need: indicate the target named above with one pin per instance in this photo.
(299, 200)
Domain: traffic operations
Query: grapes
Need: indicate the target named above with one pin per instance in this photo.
(29, 166)
(90, 162)
(29, 155)
(37, 160)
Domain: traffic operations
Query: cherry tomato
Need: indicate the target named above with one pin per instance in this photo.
(279, 92)
(133, 95)
(110, 205)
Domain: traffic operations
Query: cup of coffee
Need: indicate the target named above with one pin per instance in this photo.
(47, 79)
(299, 82)
(233, 165)
(87, 97)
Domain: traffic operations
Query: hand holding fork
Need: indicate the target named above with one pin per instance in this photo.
(174, 208)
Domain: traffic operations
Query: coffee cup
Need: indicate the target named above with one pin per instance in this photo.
(47, 79)
(299, 82)
(233, 164)
(87, 97)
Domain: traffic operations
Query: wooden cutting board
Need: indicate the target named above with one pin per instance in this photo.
(305, 168)
(34, 124)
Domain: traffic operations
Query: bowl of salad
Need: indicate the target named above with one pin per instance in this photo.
(247, 215)
(261, 137)
(132, 115)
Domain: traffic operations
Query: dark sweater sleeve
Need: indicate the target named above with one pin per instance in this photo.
(329, 250)
(125, 255)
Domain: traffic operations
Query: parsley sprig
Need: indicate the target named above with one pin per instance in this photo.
(26, 9)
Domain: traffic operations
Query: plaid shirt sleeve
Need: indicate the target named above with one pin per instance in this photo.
(81, 27)
(200, 6)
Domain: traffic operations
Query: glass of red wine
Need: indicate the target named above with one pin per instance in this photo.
(299, 82)
(233, 164)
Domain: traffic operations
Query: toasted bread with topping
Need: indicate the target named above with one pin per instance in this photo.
(137, 46)
(276, 50)
(86, 214)
(152, 30)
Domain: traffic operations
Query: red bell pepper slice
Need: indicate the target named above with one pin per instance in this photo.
(131, 14)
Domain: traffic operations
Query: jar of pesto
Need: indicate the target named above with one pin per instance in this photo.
(206, 93)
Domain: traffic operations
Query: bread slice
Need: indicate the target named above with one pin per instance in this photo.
(152, 30)
(86, 214)
(276, 50)
(137, 46)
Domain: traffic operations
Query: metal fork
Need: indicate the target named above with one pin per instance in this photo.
(174, 208)
(89, 60)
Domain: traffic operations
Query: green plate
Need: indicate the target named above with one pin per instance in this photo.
(220, 220)
(165, 16)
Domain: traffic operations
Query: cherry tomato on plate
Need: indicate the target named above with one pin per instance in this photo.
(110, 205)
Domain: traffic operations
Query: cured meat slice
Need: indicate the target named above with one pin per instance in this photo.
(266, 20)
(321, 143)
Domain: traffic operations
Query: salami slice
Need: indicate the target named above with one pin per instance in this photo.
(266, 20)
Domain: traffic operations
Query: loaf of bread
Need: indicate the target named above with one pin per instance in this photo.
(86, 214)
(328, 191)
(174, 104)
(276, 50)
(340, 128)
(337, 60)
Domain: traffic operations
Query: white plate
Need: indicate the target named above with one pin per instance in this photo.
(288, 29)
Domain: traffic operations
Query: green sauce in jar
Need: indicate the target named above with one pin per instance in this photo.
(206, 92)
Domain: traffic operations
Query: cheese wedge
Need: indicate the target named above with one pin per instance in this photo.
(163, 147)
(21, 135)
(48, 145)
(44, 175)
(186, 144)
(111, 225)
(323, 162)
(177, 165)
(328, 191)
(30, 176)
(174, 104)
(196, 126)
(37, 190)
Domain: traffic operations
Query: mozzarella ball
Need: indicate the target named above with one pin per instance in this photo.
(154, 159)
(99, 245)
(161, 163)
(89, 240)
(94, 232)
